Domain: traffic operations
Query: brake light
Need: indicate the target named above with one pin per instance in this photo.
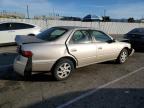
(27, 53)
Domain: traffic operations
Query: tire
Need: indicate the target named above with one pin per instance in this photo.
(122, 56)
(62, 69)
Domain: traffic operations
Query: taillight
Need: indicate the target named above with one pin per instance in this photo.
(27, 53)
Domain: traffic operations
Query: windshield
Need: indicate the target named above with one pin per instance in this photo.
(52, 34)
(137, 31)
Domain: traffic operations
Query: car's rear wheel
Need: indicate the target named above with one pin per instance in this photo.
(122, 56)
(62, 69)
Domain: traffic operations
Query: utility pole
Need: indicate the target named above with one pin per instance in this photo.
(28, 12)
(53, 13)
(104, 12)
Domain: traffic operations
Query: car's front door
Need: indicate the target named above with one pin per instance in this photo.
(82, 48)
(5, 34)
(106, 48)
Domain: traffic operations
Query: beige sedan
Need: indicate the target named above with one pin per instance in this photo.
(62, 49)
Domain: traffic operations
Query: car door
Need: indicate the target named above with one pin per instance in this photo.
(12, 31)
(106, 48)
(5, 33)
(82, 47)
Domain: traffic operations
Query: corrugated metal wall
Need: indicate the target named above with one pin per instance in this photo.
(108, 27)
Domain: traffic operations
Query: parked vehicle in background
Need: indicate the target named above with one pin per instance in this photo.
(9, 30)
(70, 19)
(136, 38)
(62, 49)
(91, 18)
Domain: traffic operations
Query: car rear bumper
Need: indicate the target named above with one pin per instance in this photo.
(20, 63)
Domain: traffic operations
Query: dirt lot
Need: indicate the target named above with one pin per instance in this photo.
(104, 85)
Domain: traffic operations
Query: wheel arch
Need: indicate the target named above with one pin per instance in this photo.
(127, 50)
(31, 34)
(118, 58)
(66, 57)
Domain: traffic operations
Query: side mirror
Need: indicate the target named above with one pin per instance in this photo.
(114, 40)
(111, 41)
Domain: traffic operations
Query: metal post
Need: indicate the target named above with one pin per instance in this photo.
(104, 12)
(27, 11)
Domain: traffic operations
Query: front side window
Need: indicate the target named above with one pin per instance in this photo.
(52, 34)
(81, 36)
(100, 37)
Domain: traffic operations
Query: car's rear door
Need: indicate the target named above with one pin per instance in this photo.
(106, 49)
(82, 48)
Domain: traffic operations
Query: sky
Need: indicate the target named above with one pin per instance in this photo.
(77, 8)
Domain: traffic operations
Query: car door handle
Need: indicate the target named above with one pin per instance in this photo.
(99, 48)
(73, 50)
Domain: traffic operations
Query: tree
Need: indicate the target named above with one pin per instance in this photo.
(131, 19)
(106, 19)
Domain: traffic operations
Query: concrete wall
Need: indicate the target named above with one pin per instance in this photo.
(108, 27)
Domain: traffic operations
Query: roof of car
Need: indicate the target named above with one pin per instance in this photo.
(16, 22)
(74, 27)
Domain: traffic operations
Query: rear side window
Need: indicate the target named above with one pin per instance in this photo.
(80, 36)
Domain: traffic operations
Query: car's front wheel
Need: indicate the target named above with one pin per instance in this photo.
(122, 56)
(62, 69)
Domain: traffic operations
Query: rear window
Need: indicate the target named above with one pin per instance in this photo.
(52, 34)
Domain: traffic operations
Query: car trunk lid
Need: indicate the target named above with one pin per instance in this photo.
(21, 39)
